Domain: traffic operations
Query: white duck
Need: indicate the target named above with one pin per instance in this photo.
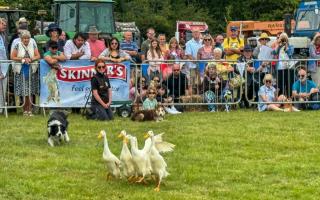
(113, 163)
(127, 164)
(158, 163)
(160, 145)
(140, 158)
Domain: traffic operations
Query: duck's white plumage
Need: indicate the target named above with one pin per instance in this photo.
(112, 162)
(140, 158)
(158, 163)
(127, 165)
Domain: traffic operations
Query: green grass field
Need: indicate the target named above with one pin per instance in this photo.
(236, 155)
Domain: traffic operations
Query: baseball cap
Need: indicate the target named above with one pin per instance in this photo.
(233, 28)
(247, 48)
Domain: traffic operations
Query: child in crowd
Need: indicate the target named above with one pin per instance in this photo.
(168, 101)
(53, 55)
(150, 103)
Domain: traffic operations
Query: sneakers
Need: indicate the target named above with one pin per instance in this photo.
(171, 110)
(213, 110)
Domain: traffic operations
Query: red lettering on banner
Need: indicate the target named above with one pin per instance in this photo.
(85, 73)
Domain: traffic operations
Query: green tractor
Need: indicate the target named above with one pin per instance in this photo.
(77, 15)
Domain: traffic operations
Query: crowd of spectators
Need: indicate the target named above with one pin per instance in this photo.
(173, 68)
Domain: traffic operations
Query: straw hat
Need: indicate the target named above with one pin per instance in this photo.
(264, 36)
(93, 30)
(22, 21)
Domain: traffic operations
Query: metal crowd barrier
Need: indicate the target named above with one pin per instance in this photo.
(187, 87)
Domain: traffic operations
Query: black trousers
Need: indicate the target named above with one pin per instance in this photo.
(100, 113)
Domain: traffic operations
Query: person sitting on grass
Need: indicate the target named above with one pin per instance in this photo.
(268, 96)
(150, 103)
(302, 89)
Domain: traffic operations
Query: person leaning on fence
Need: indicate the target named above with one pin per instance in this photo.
(96, 46)
(114, 53)
(53, 55)
(26, 79)
(211, 84)
(303, 88)
(101, 93)
(268, 96)
(314, 52)
(130, 47)
(77, 48)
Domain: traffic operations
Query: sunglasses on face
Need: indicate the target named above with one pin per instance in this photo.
(207, 39)
(301, 76)
(268, 81)
(54, 48)
(152, 93)
(176, 70)
(101, 67)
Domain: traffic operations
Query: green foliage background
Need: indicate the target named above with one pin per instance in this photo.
(163, 14)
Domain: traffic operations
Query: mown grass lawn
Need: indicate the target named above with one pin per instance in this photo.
(236, 155)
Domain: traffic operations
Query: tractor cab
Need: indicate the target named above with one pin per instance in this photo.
(12, 15)
(78, 15)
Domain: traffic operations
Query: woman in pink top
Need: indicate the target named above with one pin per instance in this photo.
(206, 52)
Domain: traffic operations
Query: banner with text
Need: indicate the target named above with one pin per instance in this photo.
(70, 86)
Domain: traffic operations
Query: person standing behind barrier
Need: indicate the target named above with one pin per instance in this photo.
(175, 51)
(206, 51)
(246, 62)
(96, 46)
(77, 48)
(101, 93)
(192, 47)
(150, 103)
(146, 44)
(3, 56)
(314, 52)
(53, 33)
(223, 68)
(114, 53)
(164, 47)
(302, 89)
(177, 85)
(26, 80)
(130, 47)
(154, 53)
(53, 56)
(285, 69)
(211, 82)
(233, 45)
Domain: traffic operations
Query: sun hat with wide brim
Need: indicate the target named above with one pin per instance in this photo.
(264, 36)
(53, 27)
(93, 30)
(22, 20)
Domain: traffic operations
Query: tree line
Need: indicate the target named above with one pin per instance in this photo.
(163, 14)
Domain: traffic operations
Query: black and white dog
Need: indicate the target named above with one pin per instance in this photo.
(57, 127)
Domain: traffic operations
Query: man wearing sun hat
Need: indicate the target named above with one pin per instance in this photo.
(233, 45)
(96, 46)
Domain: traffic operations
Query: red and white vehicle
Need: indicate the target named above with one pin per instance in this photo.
(185, 28)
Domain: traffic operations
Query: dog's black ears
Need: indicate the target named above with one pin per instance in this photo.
(65, 112)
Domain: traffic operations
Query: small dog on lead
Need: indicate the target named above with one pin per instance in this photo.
(57, 128)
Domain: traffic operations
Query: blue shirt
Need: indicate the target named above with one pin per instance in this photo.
(303, 88)
(269, 92)
(192, 48)
(131, 46)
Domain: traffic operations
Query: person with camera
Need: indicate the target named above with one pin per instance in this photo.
(285, 71)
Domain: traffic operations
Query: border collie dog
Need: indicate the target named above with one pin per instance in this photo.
(149, 115)
(57, 127)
